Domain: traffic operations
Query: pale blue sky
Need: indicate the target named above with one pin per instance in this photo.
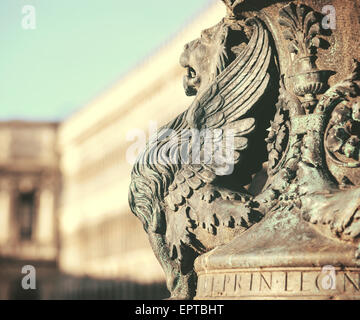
(78, 49)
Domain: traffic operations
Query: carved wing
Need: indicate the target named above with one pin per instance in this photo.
(238, 88)
(221, 109)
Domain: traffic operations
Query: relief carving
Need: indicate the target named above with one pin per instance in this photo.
(191, 186)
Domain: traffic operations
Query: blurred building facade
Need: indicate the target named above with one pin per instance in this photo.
(79, 185)
(30, 187)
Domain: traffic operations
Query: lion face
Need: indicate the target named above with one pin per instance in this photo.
(205, 58)
(198, 59)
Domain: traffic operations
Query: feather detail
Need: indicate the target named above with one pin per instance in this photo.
(195, 183)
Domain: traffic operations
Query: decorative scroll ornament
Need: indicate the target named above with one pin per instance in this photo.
(342, 136)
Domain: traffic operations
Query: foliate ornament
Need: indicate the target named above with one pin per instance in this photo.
(278, 139)
(328, 126)
(342, 136)
(302, 29)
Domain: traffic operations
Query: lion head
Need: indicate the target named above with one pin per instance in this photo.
(205, 58)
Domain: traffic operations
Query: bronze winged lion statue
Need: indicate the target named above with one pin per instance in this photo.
(188, 185)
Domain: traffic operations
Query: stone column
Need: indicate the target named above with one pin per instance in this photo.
(45, 228)
(5, 211)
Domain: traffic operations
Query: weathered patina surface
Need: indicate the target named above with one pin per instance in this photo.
(258, 179)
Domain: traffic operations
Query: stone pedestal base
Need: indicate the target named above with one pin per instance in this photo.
(280, 283)
(283, 257)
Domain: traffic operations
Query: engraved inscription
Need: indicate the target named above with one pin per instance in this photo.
(286, 283)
